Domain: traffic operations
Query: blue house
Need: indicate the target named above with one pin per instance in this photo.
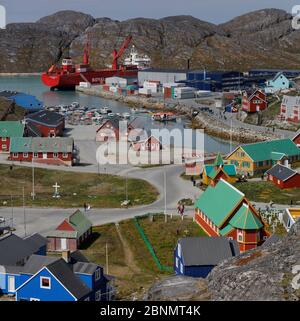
(197, 256)
(14, 253)
(279, 82)
(62, 279)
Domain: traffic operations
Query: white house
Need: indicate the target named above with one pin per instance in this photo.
(290, 108)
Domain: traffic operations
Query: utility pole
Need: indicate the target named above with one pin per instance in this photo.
(165, 188)
(126, 188)
(24, 213)
(230, 135)
(12, 211)
(106, 254)
(33, 192)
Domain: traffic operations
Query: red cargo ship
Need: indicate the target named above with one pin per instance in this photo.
(70, 75)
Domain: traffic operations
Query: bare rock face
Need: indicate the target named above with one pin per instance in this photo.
(260, 39)
(268, 273)
(178, 288)
(265, 274)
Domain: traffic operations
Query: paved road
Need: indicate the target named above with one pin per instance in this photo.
(44, 219)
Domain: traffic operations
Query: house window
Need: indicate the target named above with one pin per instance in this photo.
(181, 268)
(87, 299)
(15, 155)
(240, 236)
(98, 295)
(4, 146)
(65, 155)
(55, 155)
(45, 283)
(97, 274)
(35, 155)
(3, 139)
(25, 155)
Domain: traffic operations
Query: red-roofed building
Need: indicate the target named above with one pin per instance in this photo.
(255, 102)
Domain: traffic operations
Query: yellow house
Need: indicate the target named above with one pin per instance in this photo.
(212, 173)
(252, 159)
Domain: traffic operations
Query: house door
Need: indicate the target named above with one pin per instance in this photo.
(64, 244)
(44, 155)
(11, 284)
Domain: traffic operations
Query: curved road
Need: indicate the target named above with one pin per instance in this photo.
(44, 219)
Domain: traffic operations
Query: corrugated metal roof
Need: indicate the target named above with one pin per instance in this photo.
(62, 234)
(36, 262)
(11, 129)
(46, 117)
(281, 172)
(206, 250)
(41, 144)
(65, 275)
(245, 219)
(85, 267)
(14, 249)
(262, 151)
(80, 222)
(219, 201)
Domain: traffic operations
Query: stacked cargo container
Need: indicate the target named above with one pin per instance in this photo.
(183, 93)
(152, 85)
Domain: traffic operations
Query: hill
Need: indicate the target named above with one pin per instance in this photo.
(260, 39)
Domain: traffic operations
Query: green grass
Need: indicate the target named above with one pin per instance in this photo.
(163, 236)
(266, 192)
(76, 188)
(136, 276)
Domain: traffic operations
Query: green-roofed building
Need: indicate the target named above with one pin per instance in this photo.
(212, 173)
(257, 158)
(8, 130)
(223, 210)
(71, 233)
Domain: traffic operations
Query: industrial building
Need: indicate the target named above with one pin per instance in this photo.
(215, 80)
(161, 75)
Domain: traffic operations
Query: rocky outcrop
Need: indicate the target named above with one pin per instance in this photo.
(262, 38)
(268, 273)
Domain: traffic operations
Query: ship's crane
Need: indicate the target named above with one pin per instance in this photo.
(87, 50)
(118, 54)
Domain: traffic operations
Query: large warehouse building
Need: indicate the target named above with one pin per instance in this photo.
(161, 75)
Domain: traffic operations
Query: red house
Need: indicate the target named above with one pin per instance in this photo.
(283, 177)
(222, 210)
(110, 130)
(255, 102)
(149, 144)
(70, 234)
(49, 124)
(9, 129)
(53, 151)
(296, 139)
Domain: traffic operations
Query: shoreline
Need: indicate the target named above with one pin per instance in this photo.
(210, 125)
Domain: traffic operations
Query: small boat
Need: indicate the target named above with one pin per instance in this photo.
(126, 115)
(164, 117)
(105, 110)
(75, 105)
(111, 114)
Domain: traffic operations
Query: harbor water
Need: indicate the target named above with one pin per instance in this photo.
(32, 85)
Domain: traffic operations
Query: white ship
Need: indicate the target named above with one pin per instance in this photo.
(135, 59)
